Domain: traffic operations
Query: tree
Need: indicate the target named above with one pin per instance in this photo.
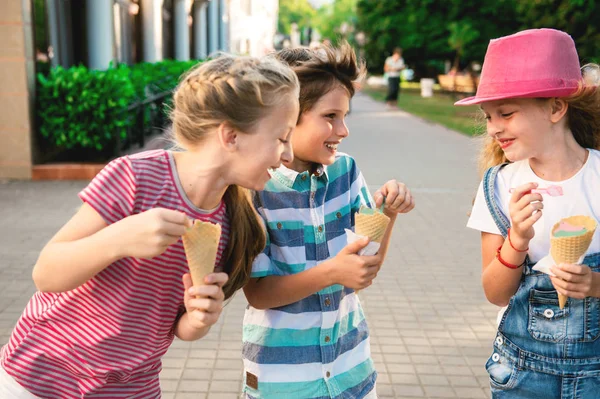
(423, 28)
(294, 11)
(462, 35)
(579, 18)
(418, 26)
(330, 19)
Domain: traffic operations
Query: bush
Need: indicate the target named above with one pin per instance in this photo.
(154, 78)
(82, 108)
(151, 78)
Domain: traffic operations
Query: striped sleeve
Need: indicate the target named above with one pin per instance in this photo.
(262, 265)
(359, 191)
(112, 192)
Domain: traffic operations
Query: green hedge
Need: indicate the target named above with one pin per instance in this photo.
(158, 77)
(82, 108)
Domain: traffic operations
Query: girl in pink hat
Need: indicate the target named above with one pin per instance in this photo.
(541, 163)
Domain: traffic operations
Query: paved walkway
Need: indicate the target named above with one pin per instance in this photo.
(431, 325)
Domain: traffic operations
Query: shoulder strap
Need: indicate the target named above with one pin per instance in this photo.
(489, 184)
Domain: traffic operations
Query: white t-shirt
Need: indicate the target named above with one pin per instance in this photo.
(398, 64)
(581, 196)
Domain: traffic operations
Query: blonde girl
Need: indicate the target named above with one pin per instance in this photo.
(113, 284)
(543, 130)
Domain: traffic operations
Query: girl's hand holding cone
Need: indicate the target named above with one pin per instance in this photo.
(203, 303)
(570, 240)
(148, 234)
(575, 281)
(397, 196)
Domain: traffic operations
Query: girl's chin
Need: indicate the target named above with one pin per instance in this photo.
(257, 183)
(513, 157)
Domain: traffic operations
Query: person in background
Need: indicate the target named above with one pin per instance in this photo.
(394, 64)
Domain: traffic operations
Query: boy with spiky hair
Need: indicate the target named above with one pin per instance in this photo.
(305, 334)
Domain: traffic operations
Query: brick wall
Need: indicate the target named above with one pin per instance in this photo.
(16, 89)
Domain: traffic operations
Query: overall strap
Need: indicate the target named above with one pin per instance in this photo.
(489, 183)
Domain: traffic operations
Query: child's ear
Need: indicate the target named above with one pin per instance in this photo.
(228, 136)
(559, 109)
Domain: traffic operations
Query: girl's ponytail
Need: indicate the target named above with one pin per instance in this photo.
(246, 240)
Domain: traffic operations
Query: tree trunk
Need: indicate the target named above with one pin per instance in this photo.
(455, 67)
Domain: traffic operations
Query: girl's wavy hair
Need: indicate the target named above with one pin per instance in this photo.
(239, 91)
(323, 69)
(583, 119)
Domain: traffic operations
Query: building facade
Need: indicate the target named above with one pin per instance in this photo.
(254, 25)
(97, 33)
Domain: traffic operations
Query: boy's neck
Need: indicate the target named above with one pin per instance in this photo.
(302, 166)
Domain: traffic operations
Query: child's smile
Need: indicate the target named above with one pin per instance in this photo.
(505, 143)
(320, 131)
(332, 146)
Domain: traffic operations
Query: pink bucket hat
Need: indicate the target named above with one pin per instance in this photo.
(531, 63)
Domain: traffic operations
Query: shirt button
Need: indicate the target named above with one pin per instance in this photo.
(320, 229)
(495, 357)
(327, 339)
(338, 215)
(303, 177)
(327, 302)
(279, 226)
(499, 341)
(328, 374)
(549, 313)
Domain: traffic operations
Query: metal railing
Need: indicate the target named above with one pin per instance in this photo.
(147, 115)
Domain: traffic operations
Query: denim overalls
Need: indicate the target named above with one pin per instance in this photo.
(541, 351)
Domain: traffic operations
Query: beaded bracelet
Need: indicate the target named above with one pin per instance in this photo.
(505, 263)
(512, 246)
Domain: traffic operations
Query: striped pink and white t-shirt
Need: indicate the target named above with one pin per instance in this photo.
(105, 338)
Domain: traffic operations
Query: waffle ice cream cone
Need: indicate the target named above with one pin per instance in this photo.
(201, 242)
(570, 248)
(371, 223)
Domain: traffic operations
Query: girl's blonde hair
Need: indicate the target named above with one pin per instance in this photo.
(239, 91)
(583, 120)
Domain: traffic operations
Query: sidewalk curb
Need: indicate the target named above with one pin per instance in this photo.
(66, 171)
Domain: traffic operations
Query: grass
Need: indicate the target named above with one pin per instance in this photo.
(439, 109)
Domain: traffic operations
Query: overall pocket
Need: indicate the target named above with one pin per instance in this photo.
(547, 322)
(503, 372)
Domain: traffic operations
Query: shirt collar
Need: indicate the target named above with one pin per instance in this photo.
(287, 176)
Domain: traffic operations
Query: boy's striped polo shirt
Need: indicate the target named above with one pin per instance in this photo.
(317, 347)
